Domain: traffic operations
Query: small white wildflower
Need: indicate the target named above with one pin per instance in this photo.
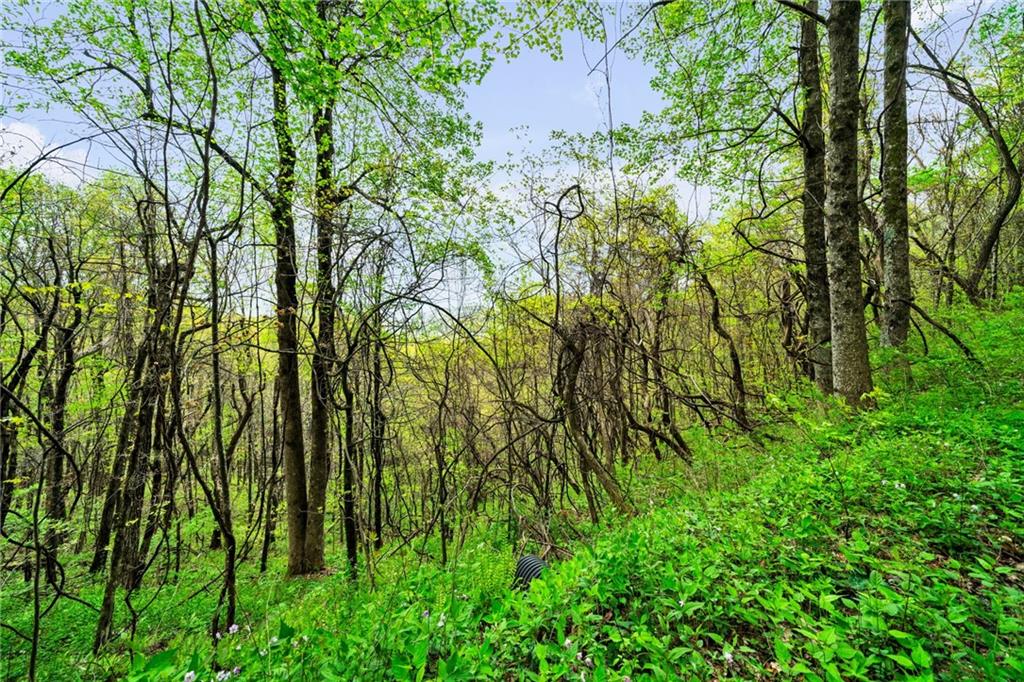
(956, 496)
(273, 640)
(442, 620)
(237, 670)
(233, 630)
(682, 603)
(223, 675)
(190, 676)
(263, 652)
(579, 655)
(589, 662)
(885, 482)
(567, 643)
(975, 508)
(238, 647)
(295, 644)
(627, 678)
(728, 657)
(305, 638)
(217, 635)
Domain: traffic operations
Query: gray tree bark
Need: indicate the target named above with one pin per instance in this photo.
(851, 371)
(895, 244)
(815, 256)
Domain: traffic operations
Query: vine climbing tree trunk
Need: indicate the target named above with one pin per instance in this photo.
(570, 362)
(740, 405)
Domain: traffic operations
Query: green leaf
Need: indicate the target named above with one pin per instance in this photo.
(161, 661)
(921, 657)
(957, 614)
(902, 660)
(782, 654)
(845, 651)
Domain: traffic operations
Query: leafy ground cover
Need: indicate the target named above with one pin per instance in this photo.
(882, 545)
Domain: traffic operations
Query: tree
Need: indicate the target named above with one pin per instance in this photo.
(819, 306)
(851, 371)
(996, 116)
(744, 52)
(325, 207)
(895, 240)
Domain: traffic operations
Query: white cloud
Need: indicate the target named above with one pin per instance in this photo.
(23, 143)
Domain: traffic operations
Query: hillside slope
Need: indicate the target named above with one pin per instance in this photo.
(884, 545)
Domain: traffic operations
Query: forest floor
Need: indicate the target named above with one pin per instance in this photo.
(830, 546)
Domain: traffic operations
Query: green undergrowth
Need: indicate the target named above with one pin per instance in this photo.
(882, 545)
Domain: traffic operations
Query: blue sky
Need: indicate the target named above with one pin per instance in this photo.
(532, 91)
(544, 95)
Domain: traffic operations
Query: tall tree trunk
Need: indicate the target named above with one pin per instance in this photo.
(895, 244)
(348, 473)
(125, 562)
(56, 509)
(819, 306)
(851, 371)
(112, 495)
(222, 481)
(661, 401)
(151, 401)
(294, 455)
(270, 478)
(439, 462)
(320, 400)
(377, 425)
(8, 459)
(156, 501)
(134, 491)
